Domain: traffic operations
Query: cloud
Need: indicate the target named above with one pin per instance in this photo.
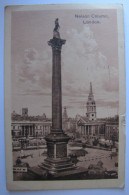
(83, 63)
(34, 92)
(34, 73)
(45, 106)
(30, 55)
(110, 103)
(112, 84)
(81, 103)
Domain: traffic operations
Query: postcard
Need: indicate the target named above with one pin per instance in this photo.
(64, 96)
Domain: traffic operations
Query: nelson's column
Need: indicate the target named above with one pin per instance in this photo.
(57, 159)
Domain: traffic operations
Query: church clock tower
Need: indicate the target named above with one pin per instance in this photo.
(91, 106)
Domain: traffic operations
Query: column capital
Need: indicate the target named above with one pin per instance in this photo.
(56, 43)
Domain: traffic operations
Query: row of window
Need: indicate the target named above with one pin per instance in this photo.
(111, 128)
(30, 133)
(36, 127)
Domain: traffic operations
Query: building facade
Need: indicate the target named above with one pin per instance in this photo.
(88, 129)
(112, 131)
(29, 126)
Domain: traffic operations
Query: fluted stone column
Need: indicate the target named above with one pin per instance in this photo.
(56, 44)
(57, 159)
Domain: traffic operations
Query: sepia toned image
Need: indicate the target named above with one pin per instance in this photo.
(64, 96)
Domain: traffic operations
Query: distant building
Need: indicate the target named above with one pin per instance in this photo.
(88, 129)
(65, 115)
(112, 129)
(26, 117)
(14, 115)
(42, 128)
(68, 124)
(29, 126)
(22, 129)
(65, 120)
(24, 112)
(91, 127)
(44, 116)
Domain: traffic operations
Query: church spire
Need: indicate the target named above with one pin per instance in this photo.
(91, 93)
(91, 106)
(65, 116)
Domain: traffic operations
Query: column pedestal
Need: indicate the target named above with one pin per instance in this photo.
(57, 160)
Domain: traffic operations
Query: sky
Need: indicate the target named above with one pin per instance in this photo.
(90, 54)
